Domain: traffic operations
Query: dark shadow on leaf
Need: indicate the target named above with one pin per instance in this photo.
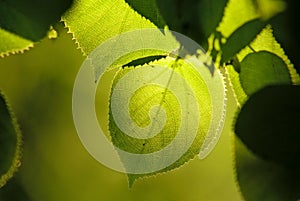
(142, 61)
(31, 19)
(149, 10)
(268, 124)
(241, 37)
(193, 18)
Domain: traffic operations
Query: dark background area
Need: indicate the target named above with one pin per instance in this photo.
(287, 31)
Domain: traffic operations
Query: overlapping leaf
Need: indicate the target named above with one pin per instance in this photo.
(10, 142)
(93, 22)
(11, 43)
(150, 95)
(24, 22)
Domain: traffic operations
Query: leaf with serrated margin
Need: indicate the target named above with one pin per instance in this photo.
(92, 21)
(267, 146)
(149, 95)
(24, 22)
(10, 142)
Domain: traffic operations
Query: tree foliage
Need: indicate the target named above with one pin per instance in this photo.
(237, 35)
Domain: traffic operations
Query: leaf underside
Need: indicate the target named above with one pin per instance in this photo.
(150, 95)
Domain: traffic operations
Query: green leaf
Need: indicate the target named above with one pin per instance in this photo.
(10, 142)
(264, 41)
(261, 69)
(236, 14)
(262, 180)
(24, 22)
(165, 123)
(194, 18)
(140, 45)
(241, 37)
(149, 10)
(264, 177)
(210, 15)
(31, 19)
(92, 21)
(12, 44)
(170, 11)
(235, 84)
(268, 124)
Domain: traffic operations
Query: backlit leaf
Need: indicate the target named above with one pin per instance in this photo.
(241, 37)
(172, 116)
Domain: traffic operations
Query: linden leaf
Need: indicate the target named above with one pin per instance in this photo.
(12, 44)
(264, 41)
(270, 171)
(236, 14)
(269, 128)
(149, 10)
(31, 19)
(92, 22)
(194, 18)
(155, 111)
(24, 22)
(266, 175)
(261, 69)
(241, 37)
(10, 142)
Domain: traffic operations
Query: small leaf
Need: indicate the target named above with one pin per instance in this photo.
(10, 142)
(261, 69)
(268, 124)
(264, 41)
(158, 113)
(241, 37)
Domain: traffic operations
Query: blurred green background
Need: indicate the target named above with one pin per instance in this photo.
(56, 166)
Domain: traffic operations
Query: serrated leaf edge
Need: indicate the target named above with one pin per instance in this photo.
(16, 163)
(16, 51)
(74, 38)
(219, 129)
